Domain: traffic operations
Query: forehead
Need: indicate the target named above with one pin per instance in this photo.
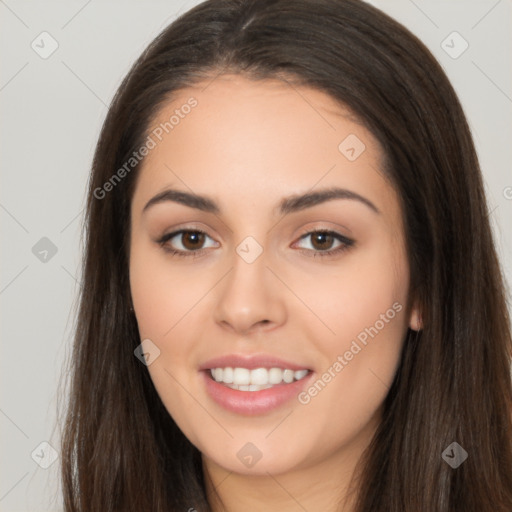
(258, 138)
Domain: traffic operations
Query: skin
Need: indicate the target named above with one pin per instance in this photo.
(247, 145)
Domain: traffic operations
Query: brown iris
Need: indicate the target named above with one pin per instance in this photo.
(321, 238)
(195, 238)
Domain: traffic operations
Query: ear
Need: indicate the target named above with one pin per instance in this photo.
(415, 321)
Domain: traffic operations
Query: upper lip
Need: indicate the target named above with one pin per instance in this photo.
(250, 362)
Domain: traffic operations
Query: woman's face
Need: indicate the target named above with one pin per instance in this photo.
(255, 296)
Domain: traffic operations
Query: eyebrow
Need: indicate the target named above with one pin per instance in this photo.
(287, 205)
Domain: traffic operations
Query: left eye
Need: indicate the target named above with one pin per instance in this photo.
(325, 240)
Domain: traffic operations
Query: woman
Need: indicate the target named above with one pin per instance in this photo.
(292, 299)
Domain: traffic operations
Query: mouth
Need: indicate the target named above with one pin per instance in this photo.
(256, 379)
(255, 391)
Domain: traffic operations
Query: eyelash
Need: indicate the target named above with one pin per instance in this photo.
(346, 243)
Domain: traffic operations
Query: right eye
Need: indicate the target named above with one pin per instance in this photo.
(191, 241)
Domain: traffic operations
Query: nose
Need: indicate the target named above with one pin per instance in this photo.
(250, 298)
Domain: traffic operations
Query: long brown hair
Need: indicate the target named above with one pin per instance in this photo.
(121, 450)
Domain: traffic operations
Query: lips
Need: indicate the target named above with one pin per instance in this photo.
(252, 385)
(251, 362)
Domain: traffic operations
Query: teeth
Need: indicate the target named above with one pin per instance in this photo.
(259, 376)
(250, 387)
(241, 376)
(300, 374)
(288, 376)
(244, 379)
(275, 375)
(227, 375)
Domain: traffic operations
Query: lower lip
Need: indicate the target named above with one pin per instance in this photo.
(252, 403)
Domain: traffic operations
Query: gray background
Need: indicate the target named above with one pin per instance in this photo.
(52, 110)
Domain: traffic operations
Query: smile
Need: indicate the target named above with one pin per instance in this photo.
(256, 391)
(257, 379)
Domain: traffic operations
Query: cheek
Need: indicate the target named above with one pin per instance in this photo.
(354, 294)
(161, 294)
(163, 300)
(150, 299)
(362, 307)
